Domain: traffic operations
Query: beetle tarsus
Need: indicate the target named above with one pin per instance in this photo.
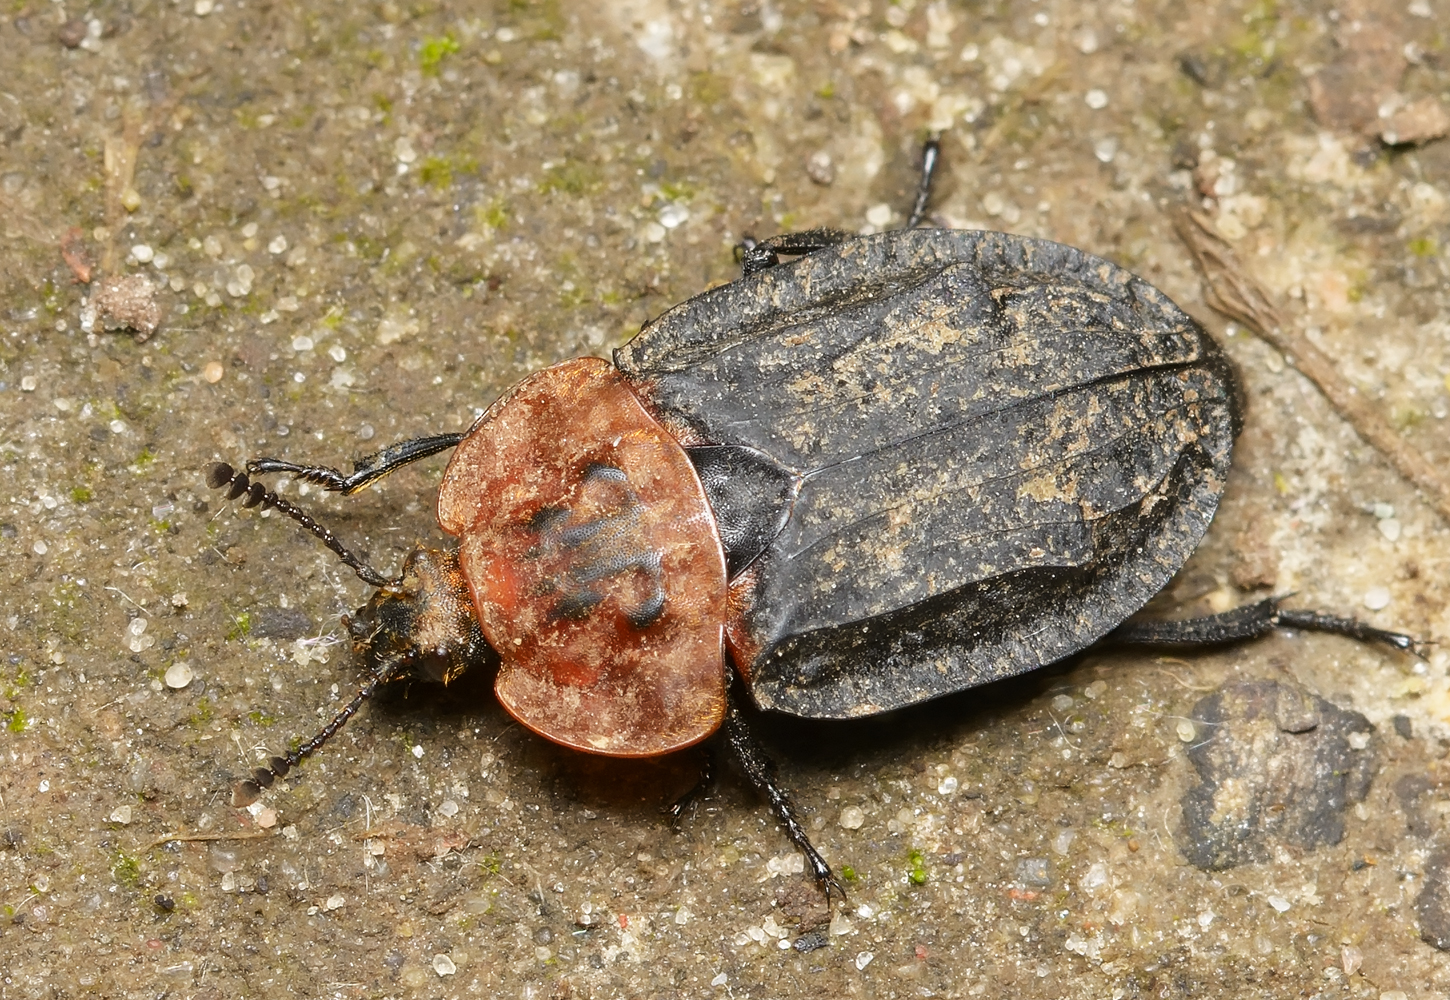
(366, 470)
(1353, 628)
(761, 772)
(930, 157)
(1253, 620)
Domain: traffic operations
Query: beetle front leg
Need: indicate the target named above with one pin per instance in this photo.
(366, 471)
(701, 787)
(759, 768)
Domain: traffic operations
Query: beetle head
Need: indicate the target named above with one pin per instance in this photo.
(425, 619)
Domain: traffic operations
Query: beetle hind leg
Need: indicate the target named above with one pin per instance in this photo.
(1252, 621)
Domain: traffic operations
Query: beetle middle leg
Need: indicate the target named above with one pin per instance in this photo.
(765, 254)
(1252, 621)
(760, 769)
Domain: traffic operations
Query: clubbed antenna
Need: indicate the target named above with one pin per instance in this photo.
(248, 790)
(220, 475)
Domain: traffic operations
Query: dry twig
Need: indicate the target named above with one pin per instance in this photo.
(1229, 289)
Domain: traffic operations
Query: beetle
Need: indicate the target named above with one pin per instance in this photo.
(897, 466)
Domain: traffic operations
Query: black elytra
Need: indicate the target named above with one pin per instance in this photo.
(926, 460)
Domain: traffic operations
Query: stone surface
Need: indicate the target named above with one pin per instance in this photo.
(1275, 767)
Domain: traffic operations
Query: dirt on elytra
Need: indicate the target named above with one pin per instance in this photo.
(363, 221)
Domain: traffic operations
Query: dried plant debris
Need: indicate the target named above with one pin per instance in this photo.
(1277, 765)
(123, 302)
(1229, 289)
(73, 252)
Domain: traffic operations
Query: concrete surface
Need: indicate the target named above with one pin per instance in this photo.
(366, 220)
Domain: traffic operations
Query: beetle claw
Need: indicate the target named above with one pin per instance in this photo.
(830, 884)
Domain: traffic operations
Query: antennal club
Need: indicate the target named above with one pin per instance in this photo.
(220, 475)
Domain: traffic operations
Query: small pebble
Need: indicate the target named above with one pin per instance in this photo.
(121, 814)
(863, 959)
(179, 674)
(335, 902)
(1390, 528)
(28, 383)
(852, 818)
(1279, 903)
(142, 253)
(203, 7)
(212, 371)
(1096, 99)
(448, 808)
(672, 216)
(1186, 730)
(443, 965)
(1377, 598)
(278, 245)
(1106, 149)
(820, 168)
(879, 215)
(947, 786)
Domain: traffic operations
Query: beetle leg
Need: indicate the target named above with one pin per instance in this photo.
(930, 156)
(676, 809)
(220, 474)
(366, 471)
(761, 771)
(762, 255)
(765, 254)
(1252, 621)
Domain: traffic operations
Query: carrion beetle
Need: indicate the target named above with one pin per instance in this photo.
(898, 466)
